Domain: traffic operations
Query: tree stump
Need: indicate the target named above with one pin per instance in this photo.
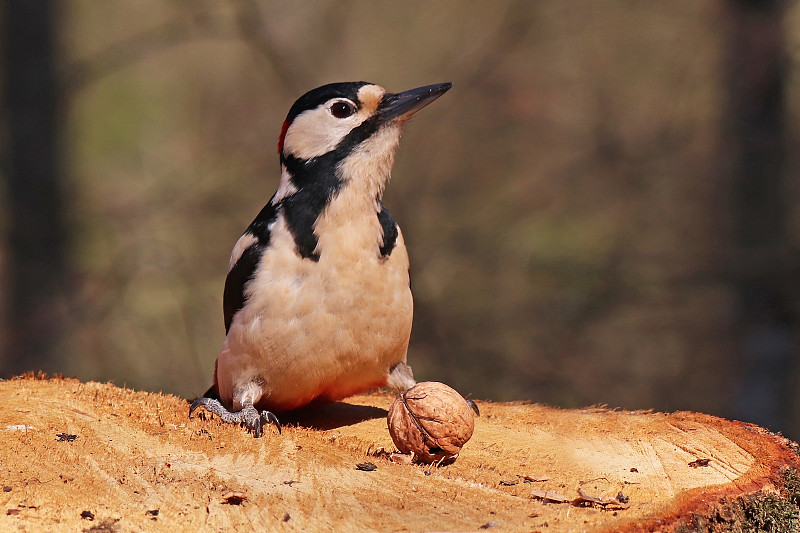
(77, 456)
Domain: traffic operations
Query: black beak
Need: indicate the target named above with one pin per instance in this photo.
(402, 105)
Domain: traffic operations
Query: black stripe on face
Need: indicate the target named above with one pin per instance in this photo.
(390, 231)
(317, 182)
(233, 298)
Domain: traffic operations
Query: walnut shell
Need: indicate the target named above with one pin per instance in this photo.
(430, 420)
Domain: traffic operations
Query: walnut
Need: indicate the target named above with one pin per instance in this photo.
(432, 421)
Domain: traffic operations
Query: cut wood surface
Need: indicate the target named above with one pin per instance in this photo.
(95, 457)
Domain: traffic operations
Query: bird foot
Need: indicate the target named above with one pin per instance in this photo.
(249, 417)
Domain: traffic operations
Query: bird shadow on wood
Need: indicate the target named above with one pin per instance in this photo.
(331, 415)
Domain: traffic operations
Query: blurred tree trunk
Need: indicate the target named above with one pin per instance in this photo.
(35, 279)
(755, 149)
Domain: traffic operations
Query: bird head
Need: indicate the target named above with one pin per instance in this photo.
(339, 116)
(340, 131)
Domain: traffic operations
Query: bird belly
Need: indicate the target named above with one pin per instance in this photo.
(316, 330)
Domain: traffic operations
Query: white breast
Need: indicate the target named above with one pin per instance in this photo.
(319, 329)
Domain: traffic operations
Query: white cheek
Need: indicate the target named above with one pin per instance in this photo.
(316, 132)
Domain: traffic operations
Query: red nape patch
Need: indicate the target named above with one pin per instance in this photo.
(286, 124)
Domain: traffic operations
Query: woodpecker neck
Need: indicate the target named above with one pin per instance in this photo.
(360, 173)
(349, 228)
(338, 192)
(365, 172)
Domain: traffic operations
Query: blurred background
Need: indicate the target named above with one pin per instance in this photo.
(603, 210)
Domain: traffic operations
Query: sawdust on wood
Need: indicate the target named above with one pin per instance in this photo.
(95, 457)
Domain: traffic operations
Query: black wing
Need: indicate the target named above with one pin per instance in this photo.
(233, 298)
(390, 231)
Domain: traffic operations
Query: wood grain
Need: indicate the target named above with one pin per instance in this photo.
(137, 453)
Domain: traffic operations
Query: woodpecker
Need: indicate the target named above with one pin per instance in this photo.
(317, 301)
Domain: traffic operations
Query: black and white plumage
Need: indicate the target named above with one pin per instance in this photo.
(317, 301)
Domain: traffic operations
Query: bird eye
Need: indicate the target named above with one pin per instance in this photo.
(342, 109)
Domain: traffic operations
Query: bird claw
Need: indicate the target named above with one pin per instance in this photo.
(270, 418)
(249, 417)
(254, 420)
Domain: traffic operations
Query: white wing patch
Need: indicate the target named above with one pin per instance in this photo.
(286, 188)
(244, 242)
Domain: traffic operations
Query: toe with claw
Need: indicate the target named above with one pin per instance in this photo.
(249, 416)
